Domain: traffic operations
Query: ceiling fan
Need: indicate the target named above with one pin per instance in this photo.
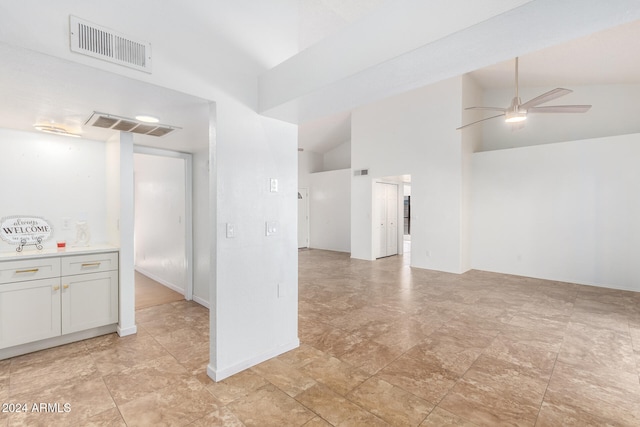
(517, 111)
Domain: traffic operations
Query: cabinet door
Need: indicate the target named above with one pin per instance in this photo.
(29, 311)
(89, 301)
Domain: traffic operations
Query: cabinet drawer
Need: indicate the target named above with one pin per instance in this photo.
(94, 263)
(29, 269)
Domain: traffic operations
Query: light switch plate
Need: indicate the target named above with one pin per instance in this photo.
(271, 228)
(282, 290)
(231, 231)
(273, 185)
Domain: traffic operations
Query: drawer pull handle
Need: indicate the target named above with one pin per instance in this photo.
(65, 286)
(31, 270)
(90, 264)
(55, 288)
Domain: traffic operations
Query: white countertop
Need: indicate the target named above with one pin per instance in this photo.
(30, 252)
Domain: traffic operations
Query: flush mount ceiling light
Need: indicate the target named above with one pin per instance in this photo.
(147, 119)
(56, 130)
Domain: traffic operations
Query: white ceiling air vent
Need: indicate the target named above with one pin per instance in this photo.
(124, 124)
(99, 42)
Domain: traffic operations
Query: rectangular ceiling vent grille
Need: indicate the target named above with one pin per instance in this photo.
(109, 121)
(99, 42)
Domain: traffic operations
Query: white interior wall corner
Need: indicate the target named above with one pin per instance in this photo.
(564, 212)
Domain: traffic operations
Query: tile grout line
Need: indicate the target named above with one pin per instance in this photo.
(544, 395)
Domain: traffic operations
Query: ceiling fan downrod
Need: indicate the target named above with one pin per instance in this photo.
(514, 113)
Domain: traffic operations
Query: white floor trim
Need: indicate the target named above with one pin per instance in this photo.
(219, 375)
(123, 332)
(201, 301)
(18, 350)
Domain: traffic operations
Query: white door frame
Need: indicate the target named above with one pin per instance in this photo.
(305, 191)
(188, 209)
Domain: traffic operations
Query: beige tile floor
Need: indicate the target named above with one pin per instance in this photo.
(382, 344)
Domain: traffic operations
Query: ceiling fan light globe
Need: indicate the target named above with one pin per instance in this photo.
(515, 117)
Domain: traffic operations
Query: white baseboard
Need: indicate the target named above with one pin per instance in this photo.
(18, 350)
(201, 301)
(219, 375)
(123, 332)
(160, 280)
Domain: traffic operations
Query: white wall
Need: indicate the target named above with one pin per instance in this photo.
(160, 241)
(471, 141)
(308, 162)
(253, 321)
(328, 179)
(54, 177)
(338, 157)
(330, 210)
(413, 133)
(566, 211)
(613, 112)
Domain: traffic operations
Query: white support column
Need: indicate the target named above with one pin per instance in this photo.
(120, 223)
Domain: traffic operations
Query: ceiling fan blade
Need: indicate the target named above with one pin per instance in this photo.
(487, 108)
(560, 109)
(478, 121)
(545, 97)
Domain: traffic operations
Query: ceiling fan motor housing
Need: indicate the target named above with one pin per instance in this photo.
(514, 113)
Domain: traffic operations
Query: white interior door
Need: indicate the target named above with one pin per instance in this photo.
(303, 218)
(391, 194)
(386, 214)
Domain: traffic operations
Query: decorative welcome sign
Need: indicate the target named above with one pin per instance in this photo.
(25, 230)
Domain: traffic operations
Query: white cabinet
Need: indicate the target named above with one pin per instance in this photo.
(29, 311)
(54, 296)
(89, 300)
(89, 291)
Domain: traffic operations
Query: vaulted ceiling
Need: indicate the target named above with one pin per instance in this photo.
(318, 59)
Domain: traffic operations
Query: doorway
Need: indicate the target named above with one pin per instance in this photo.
(406, 237)
(162, 228)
